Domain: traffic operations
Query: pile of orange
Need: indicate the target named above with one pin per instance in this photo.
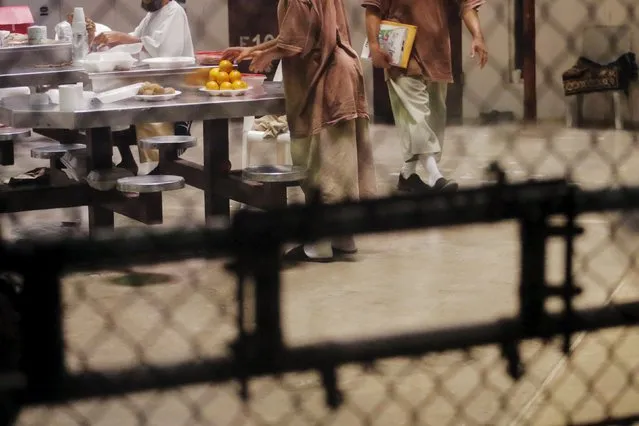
(225, 77)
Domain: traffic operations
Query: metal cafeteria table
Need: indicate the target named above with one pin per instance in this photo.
(215, 177)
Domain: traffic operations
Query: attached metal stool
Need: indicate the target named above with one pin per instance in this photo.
(274, 174)
(168, 142)
(53, 151)
(158, 182)
(275, 180)
(150, 183)
(8, 135)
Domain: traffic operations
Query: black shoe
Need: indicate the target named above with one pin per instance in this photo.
(445, 185)
(412, 184)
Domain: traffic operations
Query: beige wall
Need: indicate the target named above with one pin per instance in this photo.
(557, 22)
(491, 88)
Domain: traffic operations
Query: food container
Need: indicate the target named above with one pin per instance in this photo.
(54, 95)
(131, 49)
(254, 80)
(211, 57)
(119, 94)
(108, 61)
(169, 63)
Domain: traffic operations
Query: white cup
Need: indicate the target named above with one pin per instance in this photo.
(78, 16)
(37, 34)
(71, 97)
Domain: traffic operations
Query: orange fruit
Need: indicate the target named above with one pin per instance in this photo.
(212, 85)
(226, 65)
(213, 74)
(237, 85)
(235, 75)
(244, 84)
(226, 86)
(223, 77)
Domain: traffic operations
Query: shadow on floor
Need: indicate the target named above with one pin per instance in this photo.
(141, 279)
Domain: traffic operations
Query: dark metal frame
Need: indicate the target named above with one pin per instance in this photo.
(43, 379)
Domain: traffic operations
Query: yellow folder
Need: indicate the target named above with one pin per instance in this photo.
(397, 39)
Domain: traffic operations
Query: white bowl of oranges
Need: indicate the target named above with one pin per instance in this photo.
(225, 80)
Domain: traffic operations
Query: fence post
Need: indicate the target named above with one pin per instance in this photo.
(532, 288)
(41, 327)
(268, 328)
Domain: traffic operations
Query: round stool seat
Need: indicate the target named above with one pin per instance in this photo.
(150, 183)
(274, 173)
(9, 133)
(56, 150)
(163, 142)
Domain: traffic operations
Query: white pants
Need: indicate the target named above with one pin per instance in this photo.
(419, 109)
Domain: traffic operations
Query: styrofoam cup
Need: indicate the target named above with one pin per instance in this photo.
(78, 16)
(70, 97)
(37, 34)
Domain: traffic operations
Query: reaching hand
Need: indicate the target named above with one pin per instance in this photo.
(262, 61)
(478, 49)
(380, 58)
(112, 38)
(236, 54)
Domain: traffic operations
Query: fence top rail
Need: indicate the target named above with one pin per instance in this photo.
(251, 230)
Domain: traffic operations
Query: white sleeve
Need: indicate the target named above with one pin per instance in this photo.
(138, 30)
(99, 29)
(169, 37)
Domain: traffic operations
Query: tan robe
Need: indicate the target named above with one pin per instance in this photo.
(326, 103)
(147, 130)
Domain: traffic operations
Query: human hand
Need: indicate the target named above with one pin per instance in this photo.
(478, 50)
(112, 38)
(380, 58)
(262, 61)
(236, 54)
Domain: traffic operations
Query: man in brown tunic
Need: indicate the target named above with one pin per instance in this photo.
(418, 93)
(325, 106)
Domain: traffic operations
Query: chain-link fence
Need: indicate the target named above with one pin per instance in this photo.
(425, 326)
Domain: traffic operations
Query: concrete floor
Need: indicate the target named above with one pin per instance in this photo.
(400, 282)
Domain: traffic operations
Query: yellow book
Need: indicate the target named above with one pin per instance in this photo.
(397, 39)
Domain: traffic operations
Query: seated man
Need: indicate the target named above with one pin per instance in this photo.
(164, 32)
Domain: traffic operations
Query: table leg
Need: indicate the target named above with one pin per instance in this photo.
(6, 154)
(216, 163)
(618, 111)
(99, 156)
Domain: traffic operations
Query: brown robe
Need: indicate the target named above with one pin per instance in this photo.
(323, 80)
(326, 104)
(431, 56)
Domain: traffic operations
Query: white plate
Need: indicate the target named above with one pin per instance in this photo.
(158, 98)
(238, 92)
(169, 63)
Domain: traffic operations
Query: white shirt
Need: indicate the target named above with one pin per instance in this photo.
(165, 33)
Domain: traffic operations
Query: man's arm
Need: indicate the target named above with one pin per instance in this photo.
(380, 58)
(471, 19)
(478, 46)
(264, 46)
